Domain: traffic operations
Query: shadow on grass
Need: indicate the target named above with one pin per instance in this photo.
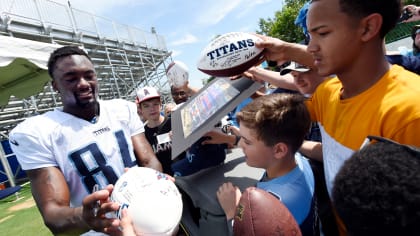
(20, 216)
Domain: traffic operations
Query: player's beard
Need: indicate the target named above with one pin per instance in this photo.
(86, 103)
(73, 100)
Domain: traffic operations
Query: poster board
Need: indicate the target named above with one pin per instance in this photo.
(205, 109)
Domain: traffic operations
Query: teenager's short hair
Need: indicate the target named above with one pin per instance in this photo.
(390, 10)
(377, 191)
(64, 52)
(277, 118)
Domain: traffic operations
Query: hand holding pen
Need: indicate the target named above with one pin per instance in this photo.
(95, 207)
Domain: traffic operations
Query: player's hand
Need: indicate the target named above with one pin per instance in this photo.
(228, 197)
(95, 206)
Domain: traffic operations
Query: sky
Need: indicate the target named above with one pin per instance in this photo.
(186, 25)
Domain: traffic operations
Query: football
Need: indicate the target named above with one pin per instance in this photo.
(152, 200)
(260, 213)
(177, 73)
(230, 54)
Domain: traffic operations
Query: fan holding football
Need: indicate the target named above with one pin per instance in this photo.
(230, 54)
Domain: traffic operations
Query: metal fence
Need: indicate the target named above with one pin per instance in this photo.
(401, 31)
(54, 15)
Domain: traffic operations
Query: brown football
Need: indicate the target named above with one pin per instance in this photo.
(260, 213)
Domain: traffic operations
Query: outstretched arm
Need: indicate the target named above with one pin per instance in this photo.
(282, 51)
(273, 77)
(52, 197)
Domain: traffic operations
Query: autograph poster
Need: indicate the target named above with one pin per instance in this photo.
(206, 104)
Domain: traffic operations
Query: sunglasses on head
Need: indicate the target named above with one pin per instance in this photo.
(412, 149)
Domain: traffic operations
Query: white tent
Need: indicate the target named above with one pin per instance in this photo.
(23, 65)
(23, 72)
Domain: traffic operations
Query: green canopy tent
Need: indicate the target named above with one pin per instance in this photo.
(23, 73)
(22, 79)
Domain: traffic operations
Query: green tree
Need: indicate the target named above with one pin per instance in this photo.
(412, 2)
(283, 26)
(208, 80)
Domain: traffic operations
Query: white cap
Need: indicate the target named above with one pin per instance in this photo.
(147, 93)
(294, 66)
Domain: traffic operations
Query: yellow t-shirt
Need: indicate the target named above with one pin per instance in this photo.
(390, 108)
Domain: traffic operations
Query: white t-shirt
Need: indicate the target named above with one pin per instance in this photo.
(87, 153)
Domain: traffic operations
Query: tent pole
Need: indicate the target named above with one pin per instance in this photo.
(6, 167)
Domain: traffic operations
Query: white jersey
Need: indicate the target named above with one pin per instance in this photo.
(87, 153)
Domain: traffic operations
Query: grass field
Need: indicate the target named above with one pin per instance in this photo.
(20, 216)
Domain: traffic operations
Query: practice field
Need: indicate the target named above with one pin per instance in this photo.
(21, 216)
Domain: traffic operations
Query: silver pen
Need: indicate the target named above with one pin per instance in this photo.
(97, 204)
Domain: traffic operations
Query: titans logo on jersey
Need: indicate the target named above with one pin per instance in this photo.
(87, 153)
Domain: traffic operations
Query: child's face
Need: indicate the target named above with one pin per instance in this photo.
(307, 82)
(257, 154)
(150, 109)
(335, 42)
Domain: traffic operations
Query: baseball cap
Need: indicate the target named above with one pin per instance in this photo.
(147, 93)
(294, 66)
